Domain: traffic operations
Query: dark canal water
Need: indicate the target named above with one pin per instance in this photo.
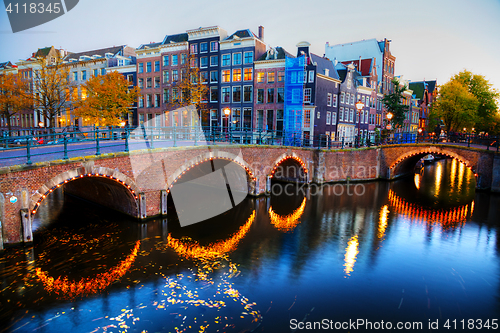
(418, 251)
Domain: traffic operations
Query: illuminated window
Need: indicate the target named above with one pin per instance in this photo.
(260, 77)
(248, 74)
(226, 75)
(270, 77)
(237, 75)
(281, 76)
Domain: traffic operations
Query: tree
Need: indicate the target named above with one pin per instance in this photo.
(50, 87)
(394, 104)
(486, 96)
(15, 96)
(190, 90)
(456, 106)
(107, 99)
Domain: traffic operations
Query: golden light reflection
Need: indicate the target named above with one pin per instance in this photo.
(453, 174)
(288, 222)
(438, 178)
(447, 218)
(461, 171)
(417, 180)
(351, 254)
(71, 289)
(193, 250)
(382, 225)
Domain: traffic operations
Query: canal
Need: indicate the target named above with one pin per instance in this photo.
(417, 253)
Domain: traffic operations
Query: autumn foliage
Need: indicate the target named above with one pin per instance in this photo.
(108, 99)
(15, 95)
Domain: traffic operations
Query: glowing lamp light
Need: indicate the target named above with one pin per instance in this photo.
(390, 115)
(359, 105)
(227, 111)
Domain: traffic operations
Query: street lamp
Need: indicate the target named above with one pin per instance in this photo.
(359, 106)
(227, 112)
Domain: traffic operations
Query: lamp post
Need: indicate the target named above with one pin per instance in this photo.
(359, 106)
(389, 125)
(227, 112)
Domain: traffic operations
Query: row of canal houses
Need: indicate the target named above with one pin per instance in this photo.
(253, 86)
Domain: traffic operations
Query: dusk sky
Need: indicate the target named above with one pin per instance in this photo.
(431, 39)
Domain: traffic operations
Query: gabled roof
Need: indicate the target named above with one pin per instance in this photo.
(366, 65)
(419, 88)
(178, 38)
(242, 34)
(115, 50)
(275, 53)
(43, 52)
(322, 64)
(149, 46)
(6, 64)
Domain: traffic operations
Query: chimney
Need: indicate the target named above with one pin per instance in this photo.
(261, 33)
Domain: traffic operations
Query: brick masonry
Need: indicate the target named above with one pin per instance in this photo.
(147, 174)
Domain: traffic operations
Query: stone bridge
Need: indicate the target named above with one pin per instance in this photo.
(138, 183)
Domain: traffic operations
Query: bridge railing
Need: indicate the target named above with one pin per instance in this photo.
(52, 145)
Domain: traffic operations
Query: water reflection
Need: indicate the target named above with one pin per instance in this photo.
(269, 260)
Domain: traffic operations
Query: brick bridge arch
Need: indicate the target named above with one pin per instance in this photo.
(285, 157)
(116, 190)
(399, 160)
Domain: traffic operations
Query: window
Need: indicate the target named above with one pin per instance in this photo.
(362, 115)
(141, 101)
(157, 65)
(148, 67)
(236, 118)
(237, 94)
(334, 103)
(248, 74)
(342, 97)
(270, 120)
(226, 75)
(279, 121)
(95, 72)
(148, 101)
(351, 117)
(270, 95)
(334, 118)
(281, 76)
(183, 58)
(166, 96)
(141, 67)
(204, 77)
(175, 75)
(193, 62)
(165, 76)
(247, 117)
(103, 71)
(214, 46)
(157, 82)
(270, 77)
(214, 94)
(341, 114)
(260, 77)
(149, 82)
(226, 59)
(157, 100)
(175, 59)
(237, 75)
(260, 96)
(281, 95)
(307, 118)
(366, 117)
(248, 58)
(130, 78)
(203, 62)
(225, 94)
(214, 61)
(347, 98)
(247, 93)
(260, 119)
(165, 60)
(75, 76)
(214, 76)
(194, 48)
(363, 99)
(346, 115)
(352, 99)
(329, 99)
(311, 76)
(84, 75)
(204, 47)
(236, 58)
(307, 95)
(328, 117)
